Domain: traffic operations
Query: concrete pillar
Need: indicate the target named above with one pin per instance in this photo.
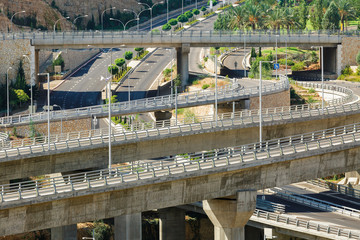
(339, 64)
(229, 215)
(37, 66)
(64, 233)
(128, 227)
(330, 58)
(163, 116)
(172, 224)
(182, 61)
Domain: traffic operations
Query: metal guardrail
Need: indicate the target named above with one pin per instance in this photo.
(336, 187)
(97, 138)
(270, 206)
(310, 143)
(316, 203)
(304, 224)
(203, 97)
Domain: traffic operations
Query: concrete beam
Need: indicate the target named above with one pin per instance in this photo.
(132, 150)
(168, 191)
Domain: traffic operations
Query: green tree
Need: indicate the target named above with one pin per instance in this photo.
(358, 58)
(317, 13)
(346, 10)
(120, 63)
(260, 53)
(253, 53)
(20, 82)
(173, 22)
(59, 61)
(166, 27)
(128, 55)
(102, 231)
(189, 14)
(331, 18)
(303, 14)
(203, 8)
(139, 51)
(113, 69)
(21, 96)
(182, 18)
(222, 22)
(196, 11)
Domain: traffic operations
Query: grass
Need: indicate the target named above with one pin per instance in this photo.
(282, 50)
(353, 23)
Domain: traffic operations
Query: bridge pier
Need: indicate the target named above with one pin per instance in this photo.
(163, 116)
(128, 227)
(182, 61)
(172, 223)
(229, 216)
(37, 67)
(68, 232)
(330, 60)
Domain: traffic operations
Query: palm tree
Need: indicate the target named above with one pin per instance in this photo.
(237, 17)
(346, 10)
(275, 18)
(253, 15)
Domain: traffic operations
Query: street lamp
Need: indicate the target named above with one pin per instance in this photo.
(276, 56)
(102, 17)
(7, 89)
(74, 22)
(260, 102)
(135, 19)
(150, 8)
(322, 75)
(108, 81)
(216, 104)
(48, 104)
(137, 16)
(167, 10)
(182, 6)
(11, 20)
(113, 19)
(55, 105)
(31, 86)
(244, 54)
(58, 21)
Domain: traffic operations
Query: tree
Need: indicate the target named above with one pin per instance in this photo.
(189, 14)
(203, 8)
(346, 10)
(331, 18)
(317, 14)
(20, 78)
(237, 17)
(173, 22)
(113, 69)
(102, 231)
(253, 53)
(182, 18)
(223, 22)
(260, 54)
(139, 51)
(59, 61)
(128, 55)
(120, 63)
(166, 27)
(303, 14)
(21, 96)
(196, 11)
(358, 58)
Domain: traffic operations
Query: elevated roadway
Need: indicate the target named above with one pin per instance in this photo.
(105, 194)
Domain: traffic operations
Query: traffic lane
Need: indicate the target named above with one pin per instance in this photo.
(355, 86)
(144, 76)
(194, 61)
(311, 214)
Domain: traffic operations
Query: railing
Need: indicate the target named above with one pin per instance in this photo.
(97, 138)
(337, 188)
(270, 206)
(316, 203)
(227, 93)
(3, 137)
(274, 150)
(304, 224)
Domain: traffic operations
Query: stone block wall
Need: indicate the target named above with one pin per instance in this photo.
(55, 127)
(348, 50)
(74, 58)
(272, 100)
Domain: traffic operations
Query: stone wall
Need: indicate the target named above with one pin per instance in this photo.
(348, 51)
(74, 58)
(272, 100)
(55, 127)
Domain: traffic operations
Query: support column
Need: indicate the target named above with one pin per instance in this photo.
(330, 62)
(172, 223)
(182, 61)
(229, 216)
(128, 227)
(64, 233)
(36, 65)
(162, 116)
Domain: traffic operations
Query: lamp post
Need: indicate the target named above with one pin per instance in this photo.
(7, 90)
(55, 105)
(216, 100)
(260, 102)
(102, 17)
(58, 21)
(322, 75)
(150, 8)
(167, 10)
(244, 52)
(113, 19)
(108, 81)
(276, 56)
(74, 22)
(31, 87)
(137, 16)
(135, 19)
(48, 104)
(11, 20)
(182, 6)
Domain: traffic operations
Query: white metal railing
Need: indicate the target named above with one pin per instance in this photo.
(202, 97)
(343, 189)
(258, 215)
(316, 203)
(270, 206)
(328, 140)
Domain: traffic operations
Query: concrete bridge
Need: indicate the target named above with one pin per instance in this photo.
(124, 191)
(183, 41)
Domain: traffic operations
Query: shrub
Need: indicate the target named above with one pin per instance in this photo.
(358, 71)
(196, 11)
(283, 62)
(189, 14)
(113, 69)
(59, 61)
(203, 8)
(167, 72)
(253, 53)
(182, 18)
(128, 55)
(347, 71)
(205, 86)
(358, 58)
(311, 90)
(139, 50)
(173, 22)
(298, 66)
(102, 231)
(214, 2)
(166, 27)
(119, 62)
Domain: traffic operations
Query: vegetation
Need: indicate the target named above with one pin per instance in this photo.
(102, 231)
(173, 22)
(182, 18)
(166, 27)
(59, 61)
(196, 11)
(113, 69)
(141, 56)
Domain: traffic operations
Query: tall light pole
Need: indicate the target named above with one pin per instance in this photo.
(167, 10)
(137, 15)
(102, 17)
(7, 89)
(48, 105)
(58, 21)
(31, 86)
(11, 20)
(150, 8)
(276, 56)
(182, 6)
(74, 22)
(114, 19)
(260, 102)
(55, 105)
(135, 19)
(286, 58)
(322, 75)
(244, 53)
(216, 100)
(108, 81)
